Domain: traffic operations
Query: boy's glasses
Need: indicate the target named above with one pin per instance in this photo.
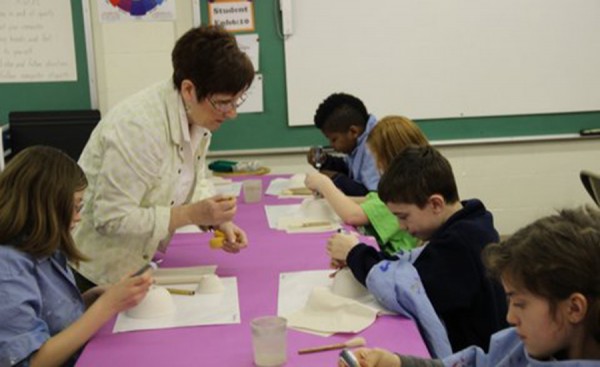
(227, 106)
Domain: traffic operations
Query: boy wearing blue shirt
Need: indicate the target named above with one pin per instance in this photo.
(550, 272)
(419, 188)
(344, 120)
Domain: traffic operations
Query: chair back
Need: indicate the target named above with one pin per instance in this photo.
(591, 182)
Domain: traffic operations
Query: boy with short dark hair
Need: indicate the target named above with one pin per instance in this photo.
(344, 120)
(419, 188)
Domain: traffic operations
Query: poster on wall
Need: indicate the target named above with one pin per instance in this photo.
(140, 10)
(248, 43)
(233, 15)
(254, 97)
(36, 43)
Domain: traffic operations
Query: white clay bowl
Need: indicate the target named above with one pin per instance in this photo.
(210, 283)
(157, 303)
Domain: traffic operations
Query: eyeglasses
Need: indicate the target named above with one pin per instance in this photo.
(227, 106)
(78, 207)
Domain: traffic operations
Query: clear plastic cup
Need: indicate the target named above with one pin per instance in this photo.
(269, 341)
(252, 190)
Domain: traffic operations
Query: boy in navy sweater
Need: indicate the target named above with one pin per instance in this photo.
(419, 188)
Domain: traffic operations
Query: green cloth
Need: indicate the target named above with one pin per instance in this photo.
(383, 225)
(222, 166)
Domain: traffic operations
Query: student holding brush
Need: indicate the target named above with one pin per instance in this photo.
(390, 136)
(44, 320)
(346, 123)
(146, 160)
(549, 270)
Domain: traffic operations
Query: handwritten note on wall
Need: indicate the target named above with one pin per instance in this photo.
(36, 41)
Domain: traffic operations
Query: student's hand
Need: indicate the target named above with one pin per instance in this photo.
(212, 211)
(337, 264)
(126, 293)
(311, 157)
(340, 244)
(315, 181)
(375, 358)
(235, 237)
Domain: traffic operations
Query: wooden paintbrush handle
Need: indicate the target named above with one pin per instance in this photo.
(321, 349)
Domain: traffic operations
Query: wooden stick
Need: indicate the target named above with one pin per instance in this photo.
(300, 191)
(181, 292)
(312, 224)
(352, 343)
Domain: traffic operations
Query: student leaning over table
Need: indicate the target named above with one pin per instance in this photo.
(390, 136)
(419, 188)
(146, 160)
(549, 270)
(345, 122)
(43, 317)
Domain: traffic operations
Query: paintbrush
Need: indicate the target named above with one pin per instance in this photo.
(351, 343)
(311, 224)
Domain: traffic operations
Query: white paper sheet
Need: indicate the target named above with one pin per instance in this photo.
(196, 310)
(280, 186)
(313, 215)
(231, 189)
(190, 228)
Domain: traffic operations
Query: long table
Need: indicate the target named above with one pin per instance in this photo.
(257, 269)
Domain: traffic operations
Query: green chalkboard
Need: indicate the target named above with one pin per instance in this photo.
(269, 130)
(52, 95)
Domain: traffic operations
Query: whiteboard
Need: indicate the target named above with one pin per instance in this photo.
(36, 42)
(445, 58)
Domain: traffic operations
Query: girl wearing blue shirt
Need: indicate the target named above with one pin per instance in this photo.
(43, 317)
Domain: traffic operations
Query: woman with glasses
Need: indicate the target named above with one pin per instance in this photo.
(146, 160)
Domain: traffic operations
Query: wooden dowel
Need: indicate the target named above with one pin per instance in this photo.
(321, 349)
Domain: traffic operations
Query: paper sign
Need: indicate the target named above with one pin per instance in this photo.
(248, 43)
(254, 97)
(234, 16)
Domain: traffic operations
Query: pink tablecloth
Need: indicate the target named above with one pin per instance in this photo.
(257, 270)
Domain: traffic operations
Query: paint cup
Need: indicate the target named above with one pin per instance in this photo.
(269, 341)
(252, 190)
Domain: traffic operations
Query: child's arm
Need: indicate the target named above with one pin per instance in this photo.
(91, 295)
(382, 358)
(123, 295)
(344, 206)
(348, 186)
(361, 259)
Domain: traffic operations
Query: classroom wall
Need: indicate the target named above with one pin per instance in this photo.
(518, 182)
(130, 56)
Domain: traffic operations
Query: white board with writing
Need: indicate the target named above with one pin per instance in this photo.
(36, 41)
(444, 58)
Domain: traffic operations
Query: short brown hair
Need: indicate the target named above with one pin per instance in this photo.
(37, 191)
(210, 57)
(390, 136)
(415, 174)
(554, 257)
